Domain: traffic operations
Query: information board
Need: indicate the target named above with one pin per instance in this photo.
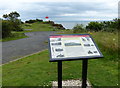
(73, 47)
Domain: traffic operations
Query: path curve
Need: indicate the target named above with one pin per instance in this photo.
(12, 50)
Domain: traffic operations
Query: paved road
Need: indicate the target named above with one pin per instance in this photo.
(12, 50)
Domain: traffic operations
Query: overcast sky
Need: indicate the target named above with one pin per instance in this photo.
(62, 10)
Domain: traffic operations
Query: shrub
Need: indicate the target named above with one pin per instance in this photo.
(33, 21)
(94, 26)
(108, 26)
(111, 26)
(16, 26)
(78, 28)
(6, 28)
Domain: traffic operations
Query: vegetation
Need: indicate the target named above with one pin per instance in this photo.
(78, 28)
(94, 26)
(36, 70)
(37, 26)
(105, 26)
(6, 28)
(33, 21)
(56, 26)
(12, 23)
(14, 36)
(13, 19)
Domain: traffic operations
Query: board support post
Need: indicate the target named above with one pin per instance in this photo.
(84, 73)
(59, 74)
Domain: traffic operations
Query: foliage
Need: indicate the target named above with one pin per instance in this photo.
(17, 25)
(56, 26)
(0, 29)
(33, 21)
(14, 21)
(6, 28)
(94, 26)
(108, 26)
(111, 26)
(12, 16)
(78, 28)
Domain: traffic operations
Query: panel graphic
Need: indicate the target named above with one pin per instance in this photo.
(63, 47)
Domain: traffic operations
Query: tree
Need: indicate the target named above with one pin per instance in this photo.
(13, 19)
(5, 16)
(12, 16)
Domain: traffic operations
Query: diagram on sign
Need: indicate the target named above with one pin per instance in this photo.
(66, 46)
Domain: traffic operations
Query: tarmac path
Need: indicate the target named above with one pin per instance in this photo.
(15, 49)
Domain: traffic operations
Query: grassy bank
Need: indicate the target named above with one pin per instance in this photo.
(38, 26)
(36, 70)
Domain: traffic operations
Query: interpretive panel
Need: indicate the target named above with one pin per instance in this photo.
(71, 47)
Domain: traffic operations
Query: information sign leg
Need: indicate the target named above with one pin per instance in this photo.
(84, 73)
(59, 74)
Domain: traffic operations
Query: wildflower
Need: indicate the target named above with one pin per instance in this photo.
(113, 39)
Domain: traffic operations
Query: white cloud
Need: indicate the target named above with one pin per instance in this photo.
(98, 9)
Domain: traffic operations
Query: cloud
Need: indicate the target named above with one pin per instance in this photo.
(62, 10)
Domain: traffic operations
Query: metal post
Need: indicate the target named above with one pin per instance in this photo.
(59, 74)
(84, 73)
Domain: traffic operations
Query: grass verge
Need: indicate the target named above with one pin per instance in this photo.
(14, 36)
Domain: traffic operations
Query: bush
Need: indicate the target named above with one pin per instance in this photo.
(94, 26)
(78, 28)
(33, 21)
(16, 25)
(108, 26)
(111, 26)
(6, 28)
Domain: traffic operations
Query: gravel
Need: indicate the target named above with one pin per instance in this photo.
(70, 84)
(12, 50)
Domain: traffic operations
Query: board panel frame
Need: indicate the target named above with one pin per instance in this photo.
(73, 58)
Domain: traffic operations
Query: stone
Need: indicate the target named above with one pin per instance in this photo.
(70, 84)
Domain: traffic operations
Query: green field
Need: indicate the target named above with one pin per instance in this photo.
(38, 26)
(36, 70)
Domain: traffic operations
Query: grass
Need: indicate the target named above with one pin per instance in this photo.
(105, 40)
(14, 36)
(36, 70)
(38, 26)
